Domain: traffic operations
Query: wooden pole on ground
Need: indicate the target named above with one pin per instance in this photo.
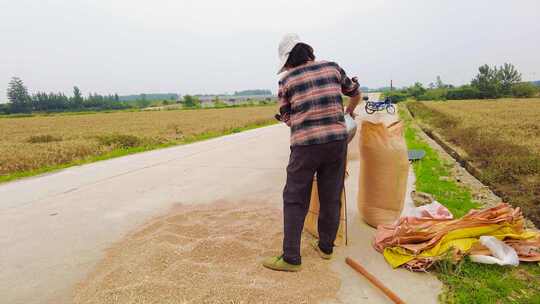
(390, 294)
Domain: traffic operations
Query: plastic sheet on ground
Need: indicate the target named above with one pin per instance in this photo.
(417, 242)
(501, 253)
(432, 210)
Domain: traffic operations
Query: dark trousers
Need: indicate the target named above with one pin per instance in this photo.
(328, 162)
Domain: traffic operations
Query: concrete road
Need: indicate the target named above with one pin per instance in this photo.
(54, 228)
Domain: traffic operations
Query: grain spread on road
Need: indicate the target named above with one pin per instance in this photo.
(207, 254)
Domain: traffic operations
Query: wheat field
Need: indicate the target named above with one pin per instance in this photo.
(501, 137)
(31, 143)
(515, 121)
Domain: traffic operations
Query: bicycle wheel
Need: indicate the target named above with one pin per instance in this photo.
(390, 109)
(369, 110)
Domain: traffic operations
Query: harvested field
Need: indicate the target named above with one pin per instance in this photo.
(31, 143)
(207, 254)
(500, 137)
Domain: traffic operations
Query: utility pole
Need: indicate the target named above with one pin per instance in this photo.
(391, 85)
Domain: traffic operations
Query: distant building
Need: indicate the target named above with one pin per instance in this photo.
(208, 100)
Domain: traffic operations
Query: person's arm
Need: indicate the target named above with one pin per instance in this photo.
(353, 103)
(350, 87)
(284, 105)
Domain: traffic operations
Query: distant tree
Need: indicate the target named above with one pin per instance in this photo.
(218, 103)
(487, 81)
(40, 101)
(508, 76)
(252, 92)
(190, 101)
(116, 97)
(434, 94)
(142, 102)
(396, 96)
(57, 101)
(524, 90)
(4, 109)
(463, 92)
(18, 96)
(416, 90)
(496, 82)
(77, 101)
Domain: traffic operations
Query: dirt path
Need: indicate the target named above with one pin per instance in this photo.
(54, 229)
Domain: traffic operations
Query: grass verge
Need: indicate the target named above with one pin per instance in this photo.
(468, 282)
(432, 174)
(119, 152)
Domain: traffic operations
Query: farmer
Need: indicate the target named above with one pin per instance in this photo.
(311, 105)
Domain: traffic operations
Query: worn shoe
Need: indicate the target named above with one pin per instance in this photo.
(277, 263)
(315, 245)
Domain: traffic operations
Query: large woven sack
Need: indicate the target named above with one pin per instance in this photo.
(383, 172)
(310, 224)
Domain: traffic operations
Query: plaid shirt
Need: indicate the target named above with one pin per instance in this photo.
(311, 104)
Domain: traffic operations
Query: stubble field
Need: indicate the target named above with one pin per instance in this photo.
(500, 137)
(30, 144)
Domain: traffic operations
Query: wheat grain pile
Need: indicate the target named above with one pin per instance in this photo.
(207, 254)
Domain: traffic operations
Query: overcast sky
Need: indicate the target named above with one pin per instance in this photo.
(201, 46)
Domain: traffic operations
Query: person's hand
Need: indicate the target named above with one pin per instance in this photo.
(353, 102)
(351, 112)
(283, 118)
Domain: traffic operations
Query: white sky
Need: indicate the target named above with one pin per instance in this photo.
(202, 46)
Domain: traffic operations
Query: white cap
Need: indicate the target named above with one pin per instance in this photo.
(288, 42)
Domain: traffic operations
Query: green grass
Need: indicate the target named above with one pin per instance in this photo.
(131, 150)
(466, 281)
(432, 173)
(480, 283)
